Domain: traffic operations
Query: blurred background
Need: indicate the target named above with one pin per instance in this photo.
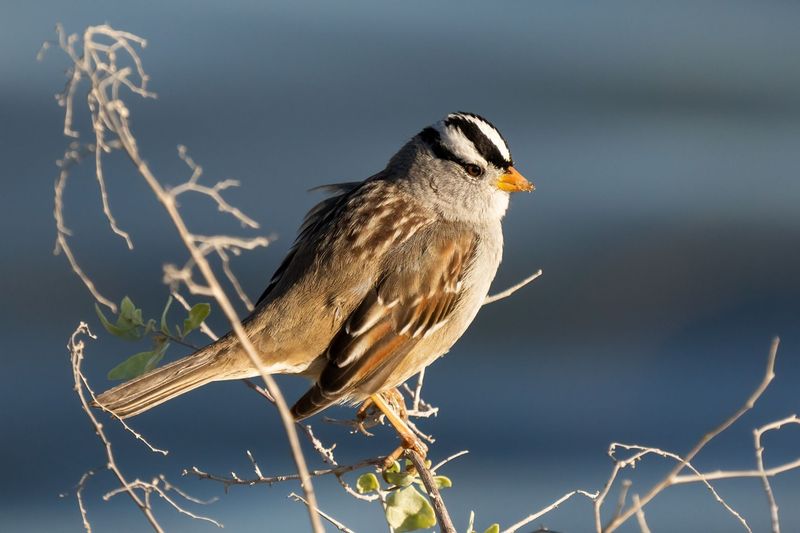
(663, 139)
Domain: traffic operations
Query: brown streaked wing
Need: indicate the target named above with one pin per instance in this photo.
(318, 215)
(415, 297)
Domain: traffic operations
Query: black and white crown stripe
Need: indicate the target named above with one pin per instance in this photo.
(467, 138)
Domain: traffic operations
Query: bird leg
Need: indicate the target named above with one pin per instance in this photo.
(393, 397)
(407, 436)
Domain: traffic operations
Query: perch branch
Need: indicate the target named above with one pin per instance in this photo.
(442, 516)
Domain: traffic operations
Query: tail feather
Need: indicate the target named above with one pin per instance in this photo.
(311, 403)
(162, 384)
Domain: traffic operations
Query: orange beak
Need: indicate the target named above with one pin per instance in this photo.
(513, 181)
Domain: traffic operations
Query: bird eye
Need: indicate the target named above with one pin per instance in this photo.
(473, 170)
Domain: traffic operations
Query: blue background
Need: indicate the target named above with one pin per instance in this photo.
(663, 140)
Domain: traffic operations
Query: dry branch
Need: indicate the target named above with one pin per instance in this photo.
(76, 347)
(100, 62)
(670, 478)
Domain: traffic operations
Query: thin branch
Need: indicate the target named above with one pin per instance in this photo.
(338, 525)
(669, 479)
(154, 487)
(511, 290)
(443, 462)
(530, 518)
(71, 156)
(642, 451)
(640, 518)
(98, 63)
(76, 348)
(136, 435)
(736, 474)
(442, 516)
(79, 496)
(759, 448)
(260, 479)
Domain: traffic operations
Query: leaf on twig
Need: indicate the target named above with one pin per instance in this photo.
(408, 510)
(394, 476)
(442, 482)
(197, 314)
(128, 322)
(138, 364)
(367, 483)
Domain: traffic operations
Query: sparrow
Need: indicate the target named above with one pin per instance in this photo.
(384, 277)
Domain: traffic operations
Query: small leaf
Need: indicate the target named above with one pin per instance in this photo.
(135, 365)
(494, 528)
(164, 325)
(442, 482)
(394, 476)
(139, 363)
(367, 483)
(408, 510)
(126, 309)
(123, 329)
(197, 314)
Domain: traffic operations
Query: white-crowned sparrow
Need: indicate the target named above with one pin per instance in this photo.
(384, 277)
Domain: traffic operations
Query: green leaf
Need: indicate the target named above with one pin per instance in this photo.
(408, 510)
(126, 309)
(197, 314)
(494, 528)
(124, 329)
(135, 365)
(367, 483)
(442, 482)
(164, 325)
(394, 476)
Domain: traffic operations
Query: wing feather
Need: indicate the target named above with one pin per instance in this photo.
(415, 297)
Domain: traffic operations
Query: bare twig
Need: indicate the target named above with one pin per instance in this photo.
(623, 494)
(511, 290)
(640, 518)
(757, 434)
(642, 451)
(443, 462)
(136, 435)
(338, 525)
(99, 64)
(76, 348)
(669, 479)
(442, 516)
(530, 518)
(79, 496)
(71, 156)
(154, 487)
(260, 479)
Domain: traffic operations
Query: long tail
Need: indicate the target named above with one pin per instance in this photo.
(311, 403)
(162, 384)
